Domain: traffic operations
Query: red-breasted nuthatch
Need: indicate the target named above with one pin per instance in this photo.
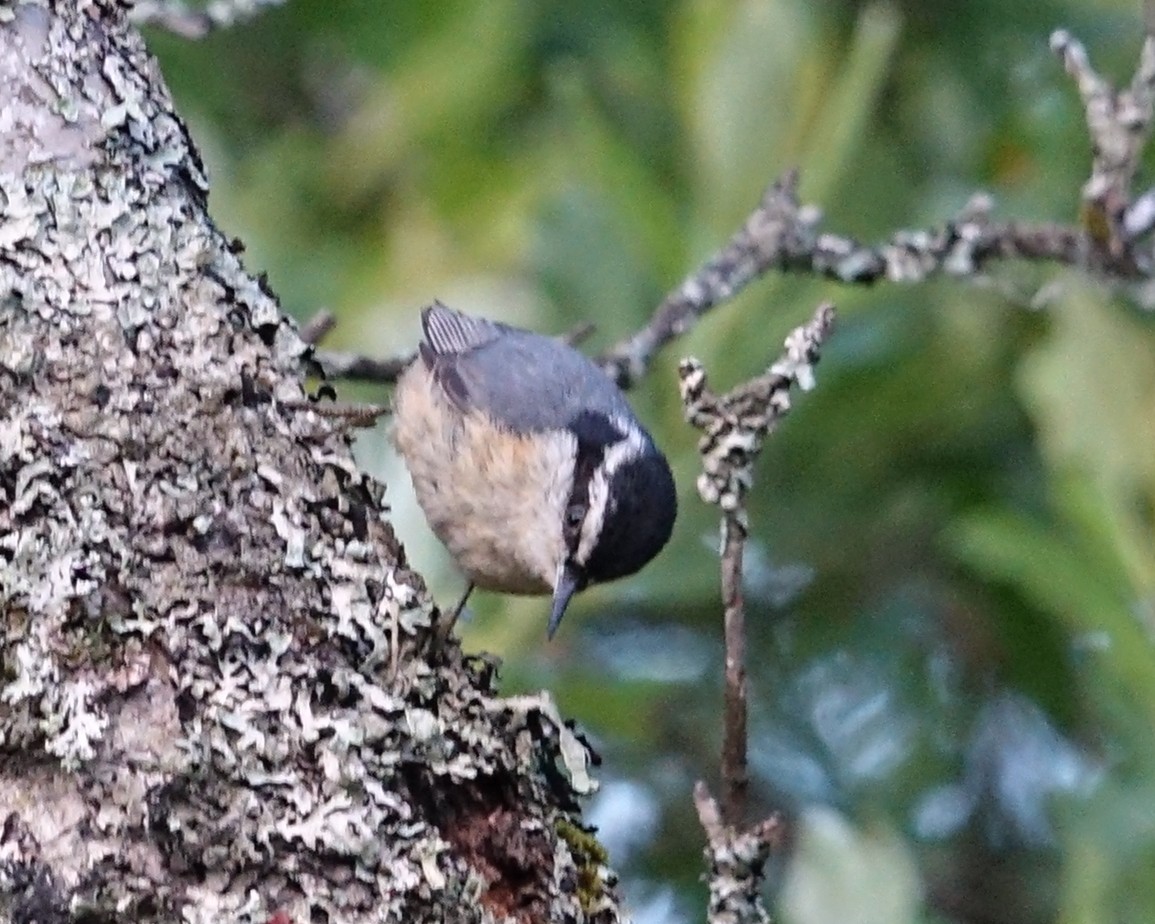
(529, 464)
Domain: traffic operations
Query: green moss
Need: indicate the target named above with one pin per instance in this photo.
(590, 857)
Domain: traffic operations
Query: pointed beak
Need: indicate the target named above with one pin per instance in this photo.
(570, 580)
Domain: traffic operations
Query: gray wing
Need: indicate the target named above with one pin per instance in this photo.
(448, 332)
(525, 381)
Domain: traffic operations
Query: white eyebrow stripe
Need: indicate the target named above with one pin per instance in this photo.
(631, 446)
(595, 516)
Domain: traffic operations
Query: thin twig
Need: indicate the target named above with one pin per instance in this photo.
(579, 334)
(784, 234)
(175, 16)
(735, 426)
(364, 416)
(735, 775)
(736, 423)
(318, 326)
(339, 365)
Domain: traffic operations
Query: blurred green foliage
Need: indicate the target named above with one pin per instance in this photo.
(952, 577)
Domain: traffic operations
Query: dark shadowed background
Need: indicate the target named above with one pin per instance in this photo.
(951, 580)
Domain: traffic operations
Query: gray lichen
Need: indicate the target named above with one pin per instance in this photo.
(735, 425)
(214, 703)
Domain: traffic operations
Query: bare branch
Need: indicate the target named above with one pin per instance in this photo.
(579, 334)
(784, 234)
(735, 773)
(354, 415)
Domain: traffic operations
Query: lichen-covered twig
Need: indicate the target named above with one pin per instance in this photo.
(313, 332)
(1119, 123)
(737, 860)
(734, 426)
(784, 234)
(176, 17)
(736, 423)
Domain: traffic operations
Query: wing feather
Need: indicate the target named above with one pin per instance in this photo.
(524, 381)
(448, 331)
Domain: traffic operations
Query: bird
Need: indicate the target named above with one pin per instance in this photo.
(527, 461)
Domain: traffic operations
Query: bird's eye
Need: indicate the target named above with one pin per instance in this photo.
(574, 515)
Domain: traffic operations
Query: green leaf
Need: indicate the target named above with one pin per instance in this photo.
(1059, 577)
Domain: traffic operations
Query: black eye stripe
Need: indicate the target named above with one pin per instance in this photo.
(589, 457)
(594, 434)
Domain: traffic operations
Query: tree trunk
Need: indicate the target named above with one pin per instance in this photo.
(216, 697)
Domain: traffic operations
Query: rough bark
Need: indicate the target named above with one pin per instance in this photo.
(215, 702)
